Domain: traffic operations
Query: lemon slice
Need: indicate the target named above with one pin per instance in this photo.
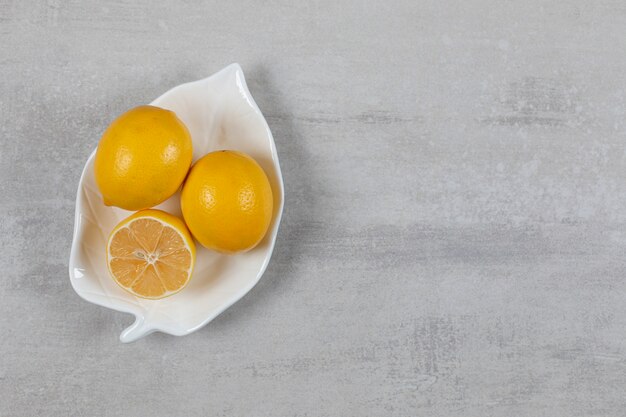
(151, 254)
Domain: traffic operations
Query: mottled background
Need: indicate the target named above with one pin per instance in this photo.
(454, 235)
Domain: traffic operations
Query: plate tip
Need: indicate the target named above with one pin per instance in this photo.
(136, 331)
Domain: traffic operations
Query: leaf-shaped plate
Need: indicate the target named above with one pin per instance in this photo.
(220, 113)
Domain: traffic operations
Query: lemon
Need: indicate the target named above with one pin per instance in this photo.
(142, 158)
(227, 201)
(151, 254)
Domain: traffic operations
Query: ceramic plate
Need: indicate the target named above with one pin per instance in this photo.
(220, 113)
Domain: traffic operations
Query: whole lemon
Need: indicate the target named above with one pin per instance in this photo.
(227, 201)
(142, 158)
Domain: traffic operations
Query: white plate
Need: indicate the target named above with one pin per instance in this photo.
(220, 113)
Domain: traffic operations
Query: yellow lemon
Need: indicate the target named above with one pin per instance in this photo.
(151, 254)
(142, 158)
(227, 201)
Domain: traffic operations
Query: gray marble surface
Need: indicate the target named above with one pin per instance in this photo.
(454, 235)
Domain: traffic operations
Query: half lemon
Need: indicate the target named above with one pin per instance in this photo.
(151, 254)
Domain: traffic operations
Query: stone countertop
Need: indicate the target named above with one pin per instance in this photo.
(455, 219)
